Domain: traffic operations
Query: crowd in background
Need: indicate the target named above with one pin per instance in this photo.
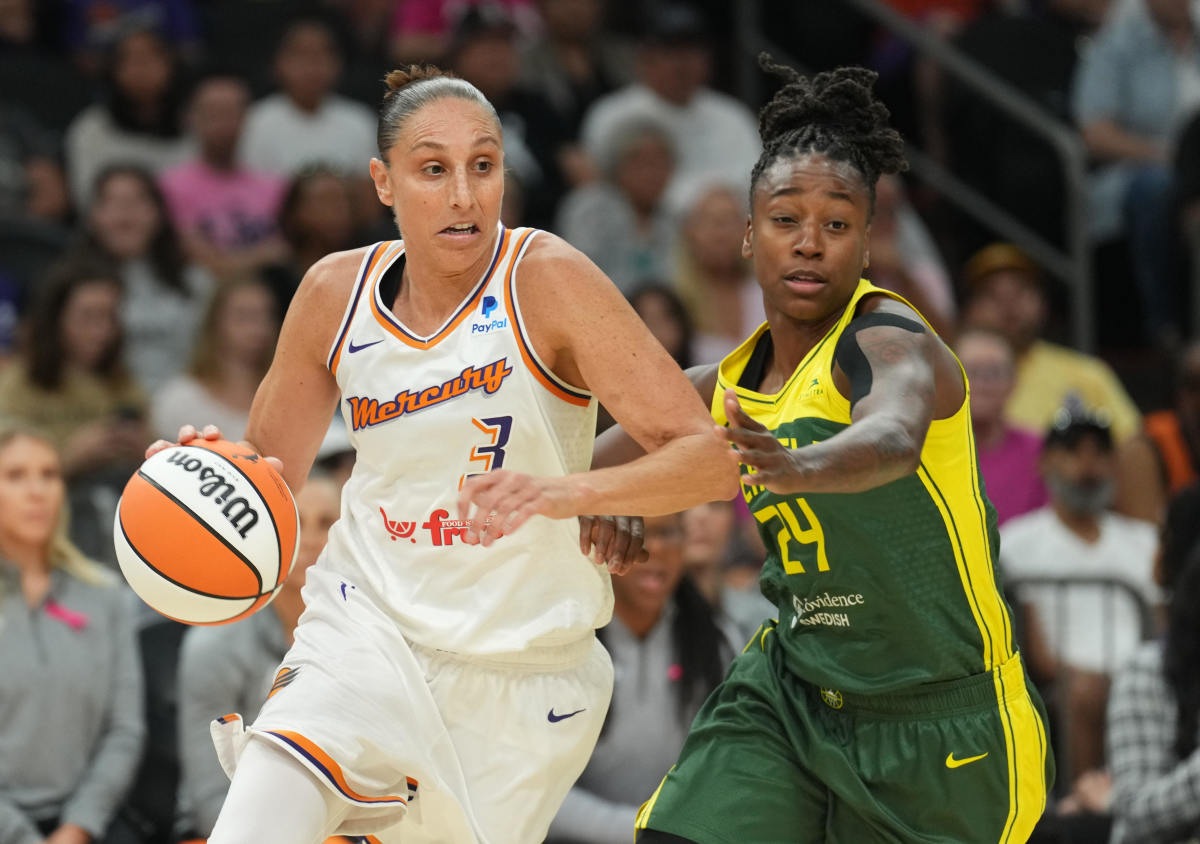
(170, 169)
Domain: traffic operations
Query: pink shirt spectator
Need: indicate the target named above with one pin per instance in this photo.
(1010, 474)
(231, 209)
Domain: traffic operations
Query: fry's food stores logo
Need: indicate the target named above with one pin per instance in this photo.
(442, 529)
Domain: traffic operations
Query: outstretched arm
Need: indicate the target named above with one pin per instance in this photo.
(897, 375)
(589, 336)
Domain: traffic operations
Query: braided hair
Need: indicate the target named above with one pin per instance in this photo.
(834, 113)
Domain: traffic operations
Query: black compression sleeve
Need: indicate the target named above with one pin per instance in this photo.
(849, 355)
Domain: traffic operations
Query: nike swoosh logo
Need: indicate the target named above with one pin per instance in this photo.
(554, 719)
(353, 348)
(951, 762)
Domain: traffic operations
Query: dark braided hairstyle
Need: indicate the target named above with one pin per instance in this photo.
(834, 113)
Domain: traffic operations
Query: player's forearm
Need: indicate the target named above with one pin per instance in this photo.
(873, 451)
(687, 471)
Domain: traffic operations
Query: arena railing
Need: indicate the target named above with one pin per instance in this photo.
(1072, 264)
(1052, 609)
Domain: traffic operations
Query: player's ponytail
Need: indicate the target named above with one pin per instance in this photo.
(409, 88)
(834, 113)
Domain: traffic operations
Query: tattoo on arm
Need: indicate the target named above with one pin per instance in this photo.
(851, 357)
(892, 392)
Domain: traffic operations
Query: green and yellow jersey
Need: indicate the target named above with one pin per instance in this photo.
(883, 589)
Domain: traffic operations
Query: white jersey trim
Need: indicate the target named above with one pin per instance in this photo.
(369, 261)
(542, 373)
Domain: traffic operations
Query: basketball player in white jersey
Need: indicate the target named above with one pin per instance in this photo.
(445, 683)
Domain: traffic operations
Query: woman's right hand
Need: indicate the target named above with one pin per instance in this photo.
(209, 432)
(186, 434)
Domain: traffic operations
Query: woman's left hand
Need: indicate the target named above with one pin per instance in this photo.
(504, 500)
(615, 540)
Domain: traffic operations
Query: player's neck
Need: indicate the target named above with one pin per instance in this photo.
(429, 294)
(792, 341)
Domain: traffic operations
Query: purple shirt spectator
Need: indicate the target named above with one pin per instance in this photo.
(1010, 474)
(1008, 456)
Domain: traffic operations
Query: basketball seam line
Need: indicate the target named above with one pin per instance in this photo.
(267, 504)
(184, 586)
(200, 521)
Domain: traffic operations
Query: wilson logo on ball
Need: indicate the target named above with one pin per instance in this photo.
(213, 483)
(206, 532)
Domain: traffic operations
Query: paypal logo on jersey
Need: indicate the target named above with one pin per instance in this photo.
(487, 326)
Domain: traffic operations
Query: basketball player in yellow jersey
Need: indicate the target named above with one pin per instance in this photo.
(445, 684)
(888, 702)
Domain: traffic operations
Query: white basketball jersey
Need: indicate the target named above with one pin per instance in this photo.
(423, 414)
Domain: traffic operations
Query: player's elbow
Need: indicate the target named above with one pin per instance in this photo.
(900, 448)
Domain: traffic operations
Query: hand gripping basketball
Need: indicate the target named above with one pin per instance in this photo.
(206, 530)
(210, 432)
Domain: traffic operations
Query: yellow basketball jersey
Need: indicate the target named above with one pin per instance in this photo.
(882, 589)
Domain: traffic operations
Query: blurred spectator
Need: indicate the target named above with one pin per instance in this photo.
(421, 30)
(1006, 294)
(668, 651)
(1136, 85)
(317, 218)
(483, 50)
(1162, 460)
(306, 122)
(1008, 455)
(26, 53)
(32, 183)
(232, 668)
(723, 556)
(713, 135)
(575, 62)
(621, 221)
(92, 27)
(233, 351)
(1154, 709)
(71, 694)
(713, 277)
(226, 214)
(164, 294)
(1090, 628)
(664, 313)
(904, 258)
(137, 123)
(69, 382)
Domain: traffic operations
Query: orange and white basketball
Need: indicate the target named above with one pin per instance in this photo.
(206, 532)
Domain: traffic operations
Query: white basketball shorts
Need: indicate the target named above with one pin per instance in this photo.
(438, 747)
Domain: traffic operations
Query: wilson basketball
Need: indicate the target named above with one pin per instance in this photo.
(206, 532)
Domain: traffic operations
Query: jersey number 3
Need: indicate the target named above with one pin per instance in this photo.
(792, 532)
(491, 455)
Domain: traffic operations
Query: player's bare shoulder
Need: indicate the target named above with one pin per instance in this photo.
(320, 302)
(950, 389)
(331, 279)
(551, 262)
